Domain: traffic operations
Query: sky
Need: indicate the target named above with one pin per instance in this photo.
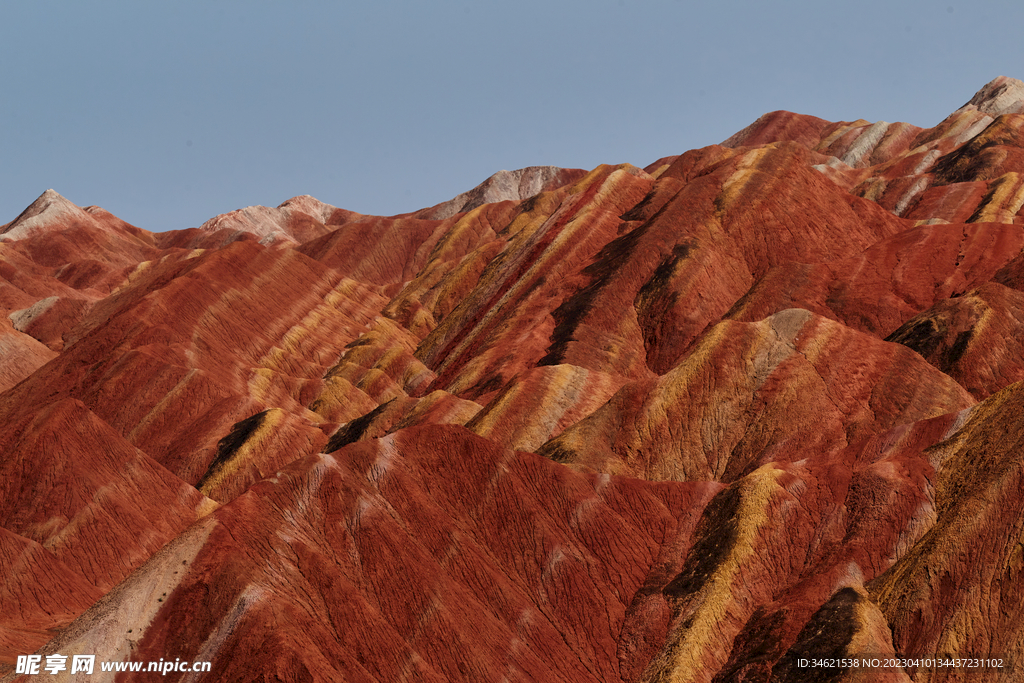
(167, 114)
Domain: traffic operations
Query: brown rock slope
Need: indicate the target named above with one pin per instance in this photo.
(780, 390)
(975, 338)
(400, 563)
(756, 405)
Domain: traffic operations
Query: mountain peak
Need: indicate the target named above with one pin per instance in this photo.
(1002, 95)
(311, 206)
(50, 208)
(506, 185)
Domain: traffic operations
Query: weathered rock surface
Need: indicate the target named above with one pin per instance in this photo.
(757, 403)
(891, 281)
(975, 338)
(20, 355)
(750, 394)
(504, 186)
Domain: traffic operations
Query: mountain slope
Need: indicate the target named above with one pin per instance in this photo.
(755, 404)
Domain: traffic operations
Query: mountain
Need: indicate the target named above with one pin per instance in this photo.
(719, 419)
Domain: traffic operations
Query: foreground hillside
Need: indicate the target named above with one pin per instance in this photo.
(757, 403)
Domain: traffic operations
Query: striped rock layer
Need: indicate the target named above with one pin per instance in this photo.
(752, 406)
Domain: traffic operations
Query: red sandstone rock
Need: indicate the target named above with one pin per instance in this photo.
(781, 390)
(509, 311)
(20, 355)
(39, 595)
(975, 338)
(891, 281)
(540, 403)
(723, 321)
(418, 553)
(49, 319)
(505, 186)
(778, 126)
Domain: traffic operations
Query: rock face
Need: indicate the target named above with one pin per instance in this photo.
(756, 405)
(505, 186)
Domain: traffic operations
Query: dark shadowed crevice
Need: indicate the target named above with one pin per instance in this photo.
(573, 310)
(957, 350)
(654, 304)
(354, 429)
(826, 636)
(755, 649)
(919, 334)
(716, 535)
(230, 445)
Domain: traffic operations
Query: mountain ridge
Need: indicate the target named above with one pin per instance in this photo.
(619, 425)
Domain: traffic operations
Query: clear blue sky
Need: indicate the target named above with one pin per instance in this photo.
(167, 114)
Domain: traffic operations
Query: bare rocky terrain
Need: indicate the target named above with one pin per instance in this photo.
(754, 404)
